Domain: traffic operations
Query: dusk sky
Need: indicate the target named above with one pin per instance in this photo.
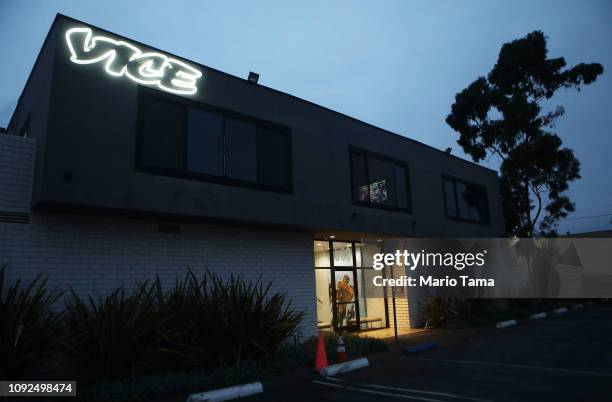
(394, 64)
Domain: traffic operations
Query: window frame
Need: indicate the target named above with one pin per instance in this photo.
(487, 215)
(184, 173)
(25, 129)
(395, 162)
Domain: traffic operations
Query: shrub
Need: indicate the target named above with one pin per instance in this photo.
(199, 323)
(436, 310)
(27, 324)
(115, 337)
(461, 309)
(223, 322)
(452, 312)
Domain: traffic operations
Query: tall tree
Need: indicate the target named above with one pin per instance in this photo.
(501, 114)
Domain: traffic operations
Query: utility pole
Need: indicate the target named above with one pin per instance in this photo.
(394, 310)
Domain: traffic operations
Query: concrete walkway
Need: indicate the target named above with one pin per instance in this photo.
(385, 333)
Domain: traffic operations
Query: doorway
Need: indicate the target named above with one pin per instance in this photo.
(346, 298)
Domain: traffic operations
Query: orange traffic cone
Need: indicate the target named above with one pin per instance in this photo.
(341, 350)
(321, 354)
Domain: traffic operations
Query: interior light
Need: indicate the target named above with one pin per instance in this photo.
(332, 237)
(319, 244)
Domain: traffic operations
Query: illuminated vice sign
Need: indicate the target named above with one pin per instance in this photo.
(122, 58)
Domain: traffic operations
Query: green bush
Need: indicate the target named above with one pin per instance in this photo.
(115, 337)
(27, 325)
(199, 323)
(451, 312)
(436, 310)
(221, 322)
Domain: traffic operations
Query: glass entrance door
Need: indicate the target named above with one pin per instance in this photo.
(346, 298)
(346, 301)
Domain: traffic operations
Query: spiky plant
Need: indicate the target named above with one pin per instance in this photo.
(27, 324)
(116, 336)
(223, 321)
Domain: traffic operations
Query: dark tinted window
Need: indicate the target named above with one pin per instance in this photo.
(163, 142)
(272, 158)
(401, 186)
(475, 198)
(462, 206)
(204, 142)
(379, 181)
(361, 190)
(466, 201)
(241, 150)
(449, 198)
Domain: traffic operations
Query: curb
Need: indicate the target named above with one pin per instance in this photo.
(225, 394)
(421, 347)
(537, 316)
(561, 310)
(344, 367)
(504, 324)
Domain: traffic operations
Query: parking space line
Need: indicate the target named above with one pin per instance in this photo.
(419, 391)
(371, 391)
(517, 366)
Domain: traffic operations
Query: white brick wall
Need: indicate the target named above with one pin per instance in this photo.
(401, 300)
(409, 311)
(96, 255)
(16, 170)
(415, 312)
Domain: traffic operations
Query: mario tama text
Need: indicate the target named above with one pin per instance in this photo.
(431, 281)
(427, 262)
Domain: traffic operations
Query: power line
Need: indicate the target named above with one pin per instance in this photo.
(587, 217)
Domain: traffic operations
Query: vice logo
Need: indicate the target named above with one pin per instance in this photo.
(124, 59)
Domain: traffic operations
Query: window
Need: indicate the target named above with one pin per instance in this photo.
(25, 130)
(379, 181)
(273, 161)
(163, 145)
(200, 142)
(465, 201)
(241, 150)
(205, 142)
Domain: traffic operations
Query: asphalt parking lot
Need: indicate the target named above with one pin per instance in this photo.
(559, 358)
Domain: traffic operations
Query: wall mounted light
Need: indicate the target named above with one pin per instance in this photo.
(253, 77)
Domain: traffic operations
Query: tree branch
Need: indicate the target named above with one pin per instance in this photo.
(536, 191)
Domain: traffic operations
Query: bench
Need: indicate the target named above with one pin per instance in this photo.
(367, 321)
(321, 325)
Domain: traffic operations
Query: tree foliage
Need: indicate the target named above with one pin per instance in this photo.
(501, 115)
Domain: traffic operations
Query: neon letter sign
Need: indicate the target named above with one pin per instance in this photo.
(122, 58)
